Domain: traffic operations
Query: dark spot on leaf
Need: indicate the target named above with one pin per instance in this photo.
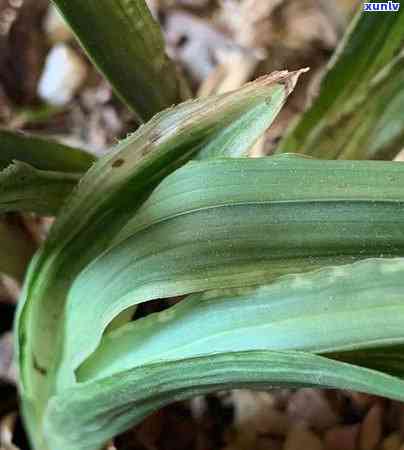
(154, 136)
(118, 163)
(39, 368)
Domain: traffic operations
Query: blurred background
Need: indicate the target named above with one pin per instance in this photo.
(48, 87)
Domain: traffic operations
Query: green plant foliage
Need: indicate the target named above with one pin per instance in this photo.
(292, 266)
(36, 175)
(24, 188)
(138, 392)
(42, 153)
(219, 229)
(319, 312)
(359, 111)
(107, 197)
(127, 45)
(209, 226)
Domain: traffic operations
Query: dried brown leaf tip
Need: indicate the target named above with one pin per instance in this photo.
(284, 77)
(290, 79)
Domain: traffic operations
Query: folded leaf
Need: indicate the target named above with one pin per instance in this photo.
(359, 111)
(126, 44)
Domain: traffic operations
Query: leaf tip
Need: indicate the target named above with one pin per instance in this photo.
(291, 78)
(283, 77)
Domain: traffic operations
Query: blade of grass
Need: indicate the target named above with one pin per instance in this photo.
(126, 44)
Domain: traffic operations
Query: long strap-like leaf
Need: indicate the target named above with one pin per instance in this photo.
(126, 44)
(358, 113)
(24, 188)
(41, 153)
(108, 196)
(36, 174)
(87, 415)
(257, 219)
(333, 310)
(232, 338)
(231, 223)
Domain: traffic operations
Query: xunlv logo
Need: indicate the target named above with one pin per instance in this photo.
(383, 6)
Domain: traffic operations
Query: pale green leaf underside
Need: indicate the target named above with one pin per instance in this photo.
(332, 310)
(359, 111)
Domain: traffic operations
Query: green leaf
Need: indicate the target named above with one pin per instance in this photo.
(233, 338)
(228, 223)
(108, 196)
(126, 44)
(236, 222)
(330, 311)
(40, 184)
(359, 111)
(85, 416)
(41, 153)
(24, 188)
